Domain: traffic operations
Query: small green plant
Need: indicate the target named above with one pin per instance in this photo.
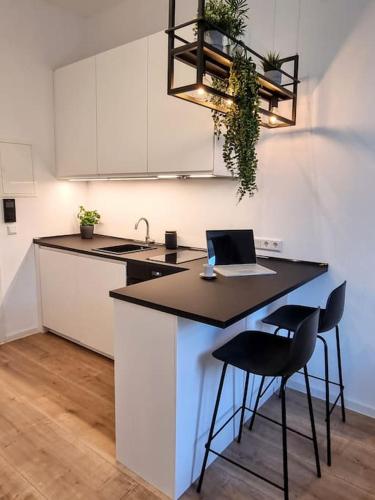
(88, 217)
(228, 15)
(272, 62)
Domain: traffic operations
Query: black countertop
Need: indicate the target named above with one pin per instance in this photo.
(219, 303)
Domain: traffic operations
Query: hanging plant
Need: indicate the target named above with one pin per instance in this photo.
(240, 126)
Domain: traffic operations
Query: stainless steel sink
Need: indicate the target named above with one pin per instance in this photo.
(122, 249)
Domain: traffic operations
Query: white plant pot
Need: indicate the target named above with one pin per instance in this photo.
(215, 38)
(274, 75)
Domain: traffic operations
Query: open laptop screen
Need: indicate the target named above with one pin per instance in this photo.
(235, 246)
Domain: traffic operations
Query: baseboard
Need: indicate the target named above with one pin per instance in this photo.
(320, 394)
(11, 337)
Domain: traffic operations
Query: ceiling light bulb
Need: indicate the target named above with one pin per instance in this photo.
(273, 120)
(201, 91)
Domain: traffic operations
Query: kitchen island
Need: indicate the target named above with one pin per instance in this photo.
(165, 376)
(165, 323)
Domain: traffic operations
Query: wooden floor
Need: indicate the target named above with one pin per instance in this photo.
(57, 437)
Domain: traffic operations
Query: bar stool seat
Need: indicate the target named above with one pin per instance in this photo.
(289, 317)
(256, 352)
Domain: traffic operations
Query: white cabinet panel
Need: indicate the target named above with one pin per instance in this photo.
(75, 109)
(59, 286)
(75, 296)
(122, 109)
(180, 136)
(17, 169)
(96, 278)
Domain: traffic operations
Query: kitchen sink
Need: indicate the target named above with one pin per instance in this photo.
(121, 249)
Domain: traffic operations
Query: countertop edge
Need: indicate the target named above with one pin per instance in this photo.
(209, 321)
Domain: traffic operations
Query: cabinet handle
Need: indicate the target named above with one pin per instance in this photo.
(156, 274)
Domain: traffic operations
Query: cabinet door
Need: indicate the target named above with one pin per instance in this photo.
(17, 169)
(122, 109)
(96, 277)
(180, 135)
(75, 119)
(59, 289)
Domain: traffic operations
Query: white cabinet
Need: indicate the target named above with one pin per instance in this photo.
(180, 134)
(59, 292)
(122, 109)
(75, 296)
(75, 122)
(16, 168)
(115, 118)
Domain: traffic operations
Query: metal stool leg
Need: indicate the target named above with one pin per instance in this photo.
(212, 428)
(340, 374)
(256, 403)
(243, 406)
(285, 443)
(315, 441)
(328, 411)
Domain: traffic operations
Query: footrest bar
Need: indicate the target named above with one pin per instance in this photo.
(334, 404)
(268, 386)
(227, 422)
(322, 379)
(246, 469)
(278, 423)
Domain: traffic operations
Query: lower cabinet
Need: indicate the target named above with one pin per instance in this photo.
(75, 296)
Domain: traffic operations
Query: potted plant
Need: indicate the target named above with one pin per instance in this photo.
(271, 66)
(228, 15)
(88, 219)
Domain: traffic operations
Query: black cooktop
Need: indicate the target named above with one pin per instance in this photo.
(179, 256)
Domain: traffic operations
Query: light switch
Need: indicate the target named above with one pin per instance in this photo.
(12, 229)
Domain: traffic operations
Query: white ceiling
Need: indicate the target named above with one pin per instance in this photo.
(84, 7)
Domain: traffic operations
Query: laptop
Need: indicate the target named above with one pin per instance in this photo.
(232, 252)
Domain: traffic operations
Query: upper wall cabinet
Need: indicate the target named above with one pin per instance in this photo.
(16, 169)
(115, 118)
(180, 136)
(122, 109)
(75, 122)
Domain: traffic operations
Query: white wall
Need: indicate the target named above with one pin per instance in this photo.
(132, 19)
(315, 180)
(34, 38)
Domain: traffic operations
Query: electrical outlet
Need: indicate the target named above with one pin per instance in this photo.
(258, 243)
(270, 244)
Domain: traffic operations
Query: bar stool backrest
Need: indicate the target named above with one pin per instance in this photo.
(332, 315)
(303, 343)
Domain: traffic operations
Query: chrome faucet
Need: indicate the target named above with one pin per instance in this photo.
(148, 240)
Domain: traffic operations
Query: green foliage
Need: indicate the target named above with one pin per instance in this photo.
(272, 61)
(228, 15)
(240, 125)
(88, 217)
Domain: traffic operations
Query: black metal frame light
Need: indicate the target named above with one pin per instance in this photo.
(212, 62)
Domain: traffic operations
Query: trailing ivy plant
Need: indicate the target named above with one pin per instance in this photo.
(240, 125)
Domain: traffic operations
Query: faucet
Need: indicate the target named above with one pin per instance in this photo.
(148, 240)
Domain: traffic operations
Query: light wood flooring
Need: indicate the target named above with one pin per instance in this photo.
(57, 437)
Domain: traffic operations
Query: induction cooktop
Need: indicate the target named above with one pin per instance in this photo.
(179, 256)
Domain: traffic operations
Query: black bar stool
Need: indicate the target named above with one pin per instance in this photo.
(268, 355)
(289, 317)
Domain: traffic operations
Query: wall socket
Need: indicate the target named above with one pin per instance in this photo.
(270, 244)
